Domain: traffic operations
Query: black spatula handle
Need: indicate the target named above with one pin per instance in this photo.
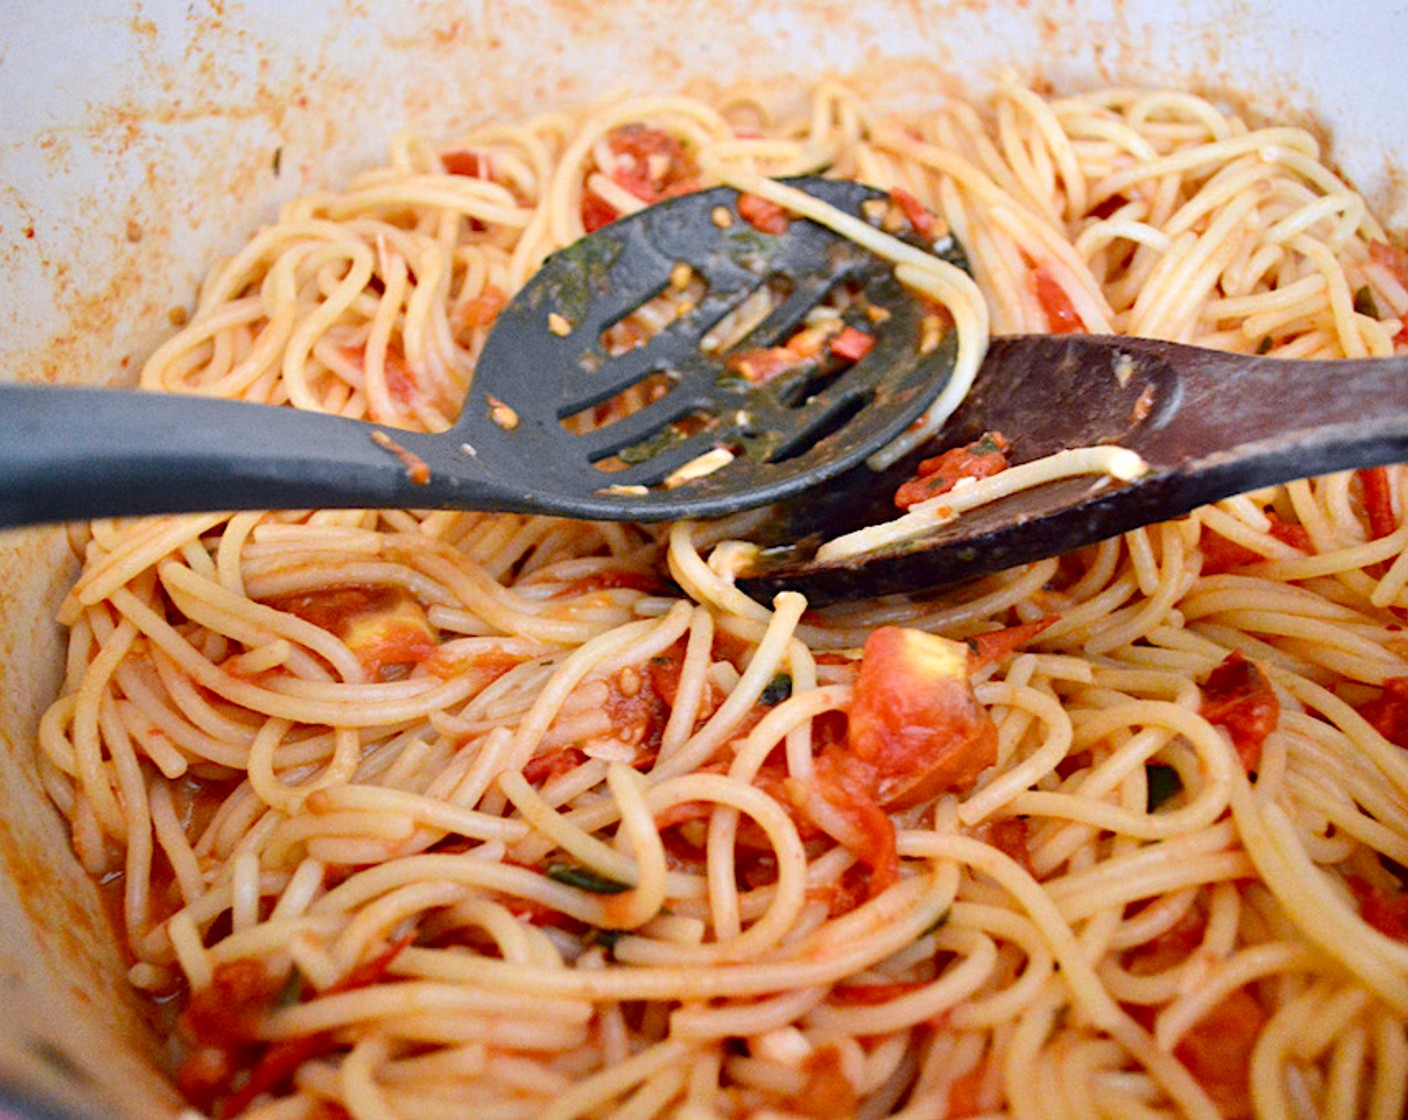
(69, 454)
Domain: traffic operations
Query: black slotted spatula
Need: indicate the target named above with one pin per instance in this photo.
(70, 453)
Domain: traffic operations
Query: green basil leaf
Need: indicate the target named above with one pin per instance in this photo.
(570, 875)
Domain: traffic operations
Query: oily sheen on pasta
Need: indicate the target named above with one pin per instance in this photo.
(441, 814)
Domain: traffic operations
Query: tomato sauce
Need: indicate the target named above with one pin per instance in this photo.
(982, 458)
(1238, 697)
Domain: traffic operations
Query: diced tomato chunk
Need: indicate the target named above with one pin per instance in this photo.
(1388, 711)
(762, 365)
(851, 345)
(1061, 316)
(596, 212)
(914, 717)
(997, 644)
(982, 458)
(763, 214)
(1386, 913)
(1218, 1051)
(1010, 836)
(470, 164)
(1238, 696)
(848, 785)
(828, 1092)
(650, 163)
(924, 223)
(965, 1094)
(1222, 555)
(483, 309)
(1378, 501)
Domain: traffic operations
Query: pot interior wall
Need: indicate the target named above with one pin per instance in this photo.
(140, 142)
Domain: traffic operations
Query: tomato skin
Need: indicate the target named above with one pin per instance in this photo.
(1061, 315)
(924, 223)
(997, 644)
(1238, 697)
(762, 214)
(1378, 501)
(915, 720)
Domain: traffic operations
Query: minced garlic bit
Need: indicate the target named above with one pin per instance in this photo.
(680, 276)
(931, 333)
(707, 463)
(618, 490)
(501, 414)
(722, 217)
(559, 325)
(1124, 369)
(1119, 463)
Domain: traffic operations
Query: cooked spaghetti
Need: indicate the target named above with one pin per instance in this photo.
(447, 814)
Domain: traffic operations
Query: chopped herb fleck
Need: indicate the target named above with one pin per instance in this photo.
(986, 446)
(570, 875)
(778, 690)
(292, 991)
(939, 923)
(1163, 781)
(1264, 346)
(278, 159)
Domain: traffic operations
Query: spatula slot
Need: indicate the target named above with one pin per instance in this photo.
(679, 297)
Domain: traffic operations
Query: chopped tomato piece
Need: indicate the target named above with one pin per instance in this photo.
(1061, 316)
(483, 309)
(965, 1094)
(761, 366)
(1010, 836)
(1218, 1051)
(229, 1010)
(1388, 711)
(914, 718)
(1297, 536)
(472, 165)
(650, 163)
(763, 214)
(924, 223)
(1378, 501)
(982, 458)
(1222, 555)
(997, 644)
(852, 345)
(384, 626)
(828, 1092)
(1238, 696)
(543, 768)
(1386, 913)
(596, 212)
(848, 785)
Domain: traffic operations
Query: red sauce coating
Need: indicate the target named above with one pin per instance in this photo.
(1238, 697)
(982, 458)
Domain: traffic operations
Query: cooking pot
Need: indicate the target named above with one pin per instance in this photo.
(138, 142)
